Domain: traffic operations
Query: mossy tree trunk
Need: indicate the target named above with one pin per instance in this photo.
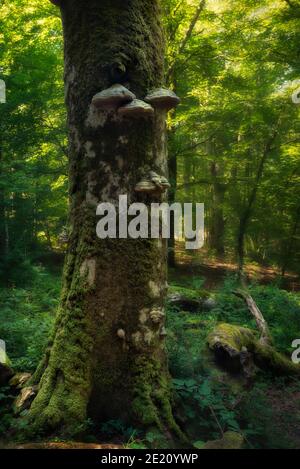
(108, 285)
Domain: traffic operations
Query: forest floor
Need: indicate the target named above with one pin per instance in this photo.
(286, 404)
(266, 411)
(214, 270)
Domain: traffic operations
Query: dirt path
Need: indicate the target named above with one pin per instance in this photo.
(214, 270)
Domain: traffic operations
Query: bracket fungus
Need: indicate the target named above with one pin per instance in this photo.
(162, 99)
(152, 183)
(146, 186)
(160, 181)
(112, 97)
(136, 109)
(164, 183)
(155, 178)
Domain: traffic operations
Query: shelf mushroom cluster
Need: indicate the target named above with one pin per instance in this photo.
(151, 183)
(112, 98)
(162, 99)
(119, 99)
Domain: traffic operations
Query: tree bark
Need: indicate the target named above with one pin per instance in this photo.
(4, 235)
(172, 82)
(3, 227)
(172, 198)
(217, 228)
(91, 369)
(288, 250)
(246, 215)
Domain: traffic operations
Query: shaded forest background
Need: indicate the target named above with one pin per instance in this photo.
(234, 141)
(233, 144)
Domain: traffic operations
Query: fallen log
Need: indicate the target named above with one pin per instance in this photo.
(185, 303)
(233, 347)
(236, 349)
(191, 304)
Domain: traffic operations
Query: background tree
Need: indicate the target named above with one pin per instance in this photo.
(33, 166)
(236, 79)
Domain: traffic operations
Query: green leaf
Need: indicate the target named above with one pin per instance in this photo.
(199, 444)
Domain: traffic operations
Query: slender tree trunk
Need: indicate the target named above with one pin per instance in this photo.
(217, 229)
(6, 230)
(246, 215)
(3, 221)
(290, 242)
(107, 358)
(48, 235)
(172, 82)
(3, 237)
(172, 199)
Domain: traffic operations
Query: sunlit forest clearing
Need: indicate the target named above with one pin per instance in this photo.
(104, 344)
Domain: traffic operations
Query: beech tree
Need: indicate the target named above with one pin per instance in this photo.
(107, 359)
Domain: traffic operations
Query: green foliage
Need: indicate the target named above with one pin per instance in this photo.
(268, 423)
(116, 428)
(236, 133)
(204, 403)
(6, 400)
(197, 283)
(280, 308)
(212, 401)
(16, 269)
(209, 401)
(186, 341)
(132, 444)
(26, 318)
(33, 175)
(193, 292)
(229, 64)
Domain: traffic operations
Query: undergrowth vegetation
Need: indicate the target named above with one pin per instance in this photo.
(26, 317)
(208, 401)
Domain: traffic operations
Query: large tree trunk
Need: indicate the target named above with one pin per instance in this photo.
(107, 359)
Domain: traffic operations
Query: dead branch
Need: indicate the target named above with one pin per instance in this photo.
(261, 323)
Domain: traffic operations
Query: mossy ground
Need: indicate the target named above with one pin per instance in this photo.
(266, 413)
